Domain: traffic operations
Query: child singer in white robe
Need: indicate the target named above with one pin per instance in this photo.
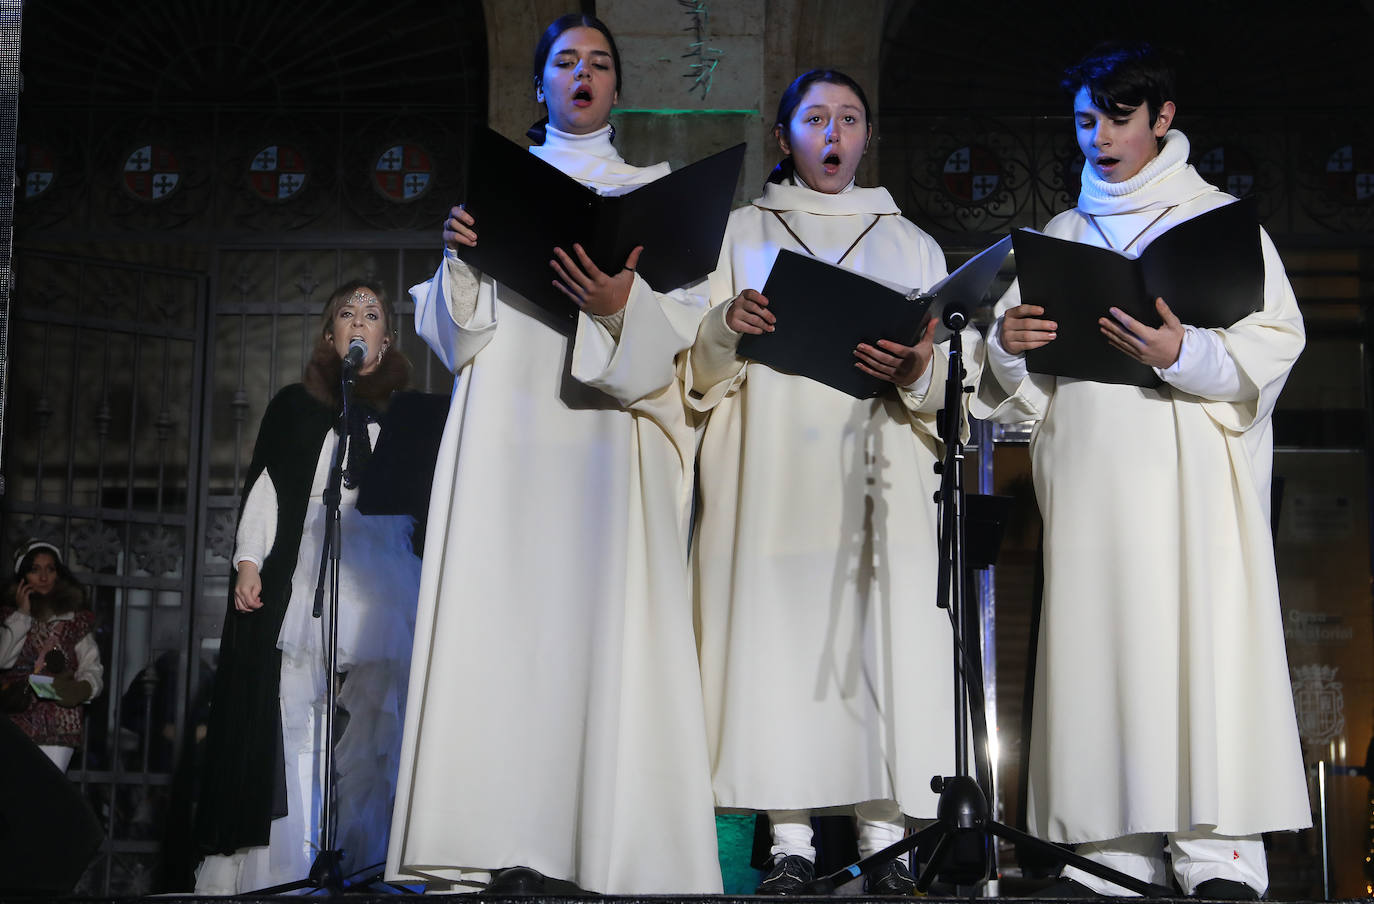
(554, 719)
(827, 667)
(1163, 709)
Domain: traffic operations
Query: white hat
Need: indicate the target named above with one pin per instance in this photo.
(33, 546)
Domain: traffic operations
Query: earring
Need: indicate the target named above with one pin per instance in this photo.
(381, 354)
(539, 95)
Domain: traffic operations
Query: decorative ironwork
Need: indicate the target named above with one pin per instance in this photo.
(174, 191)
(221, 534)
(97, 547)
(64, 196)
(401, 184)
(278, 173)
(151, 173)
(974, 176)
(403, 172)
(157, 551)
(1229, 169)
(1350, 174)
(37, 166)
(1238, 154)
(23, 530)
(100, 84)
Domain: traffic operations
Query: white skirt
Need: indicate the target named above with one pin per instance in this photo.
(379, 579)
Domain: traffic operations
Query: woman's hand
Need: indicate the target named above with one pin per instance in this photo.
(248, 588)
(589, 288)
(21, 596)
(897, 363)
(1022, 329)
(749, 313)
(458, 229)
(1155, 348)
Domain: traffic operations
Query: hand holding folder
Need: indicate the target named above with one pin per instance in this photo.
(825, 312)
(523, 209)
(1209, 270)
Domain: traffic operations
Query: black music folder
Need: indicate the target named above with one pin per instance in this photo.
(824, 311)
(524, 208)
(1209, 270)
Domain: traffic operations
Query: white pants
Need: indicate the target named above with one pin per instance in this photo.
(60, 756)
(880, 824)
(1197, 857)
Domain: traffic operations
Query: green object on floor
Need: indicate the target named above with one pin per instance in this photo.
(735, 839)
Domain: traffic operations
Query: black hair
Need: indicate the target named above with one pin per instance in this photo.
(541, 56)
(68, 593)
(1121, 75)
(26, 565)
(792, 98)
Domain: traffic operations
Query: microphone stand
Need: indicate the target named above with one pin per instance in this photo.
(962, 813)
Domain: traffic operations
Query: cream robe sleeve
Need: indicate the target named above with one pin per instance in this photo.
(712, 370)
(1263, 347)
(926, 397)
(455, 311)
(637, 359)
(1004, 391)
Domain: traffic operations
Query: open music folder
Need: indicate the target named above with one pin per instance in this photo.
(1209, 270)
(825, 311)
(524, 208)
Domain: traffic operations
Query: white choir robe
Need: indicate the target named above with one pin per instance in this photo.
(827, 666)
(554, 718)
(1162, 695)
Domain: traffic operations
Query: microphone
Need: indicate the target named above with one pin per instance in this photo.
(955, 317)
(357, 354)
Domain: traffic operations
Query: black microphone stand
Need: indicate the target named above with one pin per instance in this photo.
(326, 873)
(962, 814)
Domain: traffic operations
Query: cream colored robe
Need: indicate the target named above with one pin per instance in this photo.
(554, 717)
(826, 665)
(1162, 697)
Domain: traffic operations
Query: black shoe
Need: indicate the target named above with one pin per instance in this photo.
(1225, 890)
(517, 880)
(790, 875)
(891, 879)
(1064, 887)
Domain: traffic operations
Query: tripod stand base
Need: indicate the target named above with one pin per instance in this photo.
(963, 831)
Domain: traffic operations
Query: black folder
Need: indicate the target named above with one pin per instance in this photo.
(824, 311)
(1209, 270)
(524, 208)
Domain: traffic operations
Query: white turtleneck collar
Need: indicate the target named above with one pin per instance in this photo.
(1165, 181)
(592, 160)
(798, 180)
(597, 143)
(784, 196)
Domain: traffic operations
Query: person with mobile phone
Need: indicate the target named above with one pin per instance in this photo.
(49, 660)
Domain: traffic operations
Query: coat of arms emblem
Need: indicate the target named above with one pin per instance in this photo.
(1319, 703)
